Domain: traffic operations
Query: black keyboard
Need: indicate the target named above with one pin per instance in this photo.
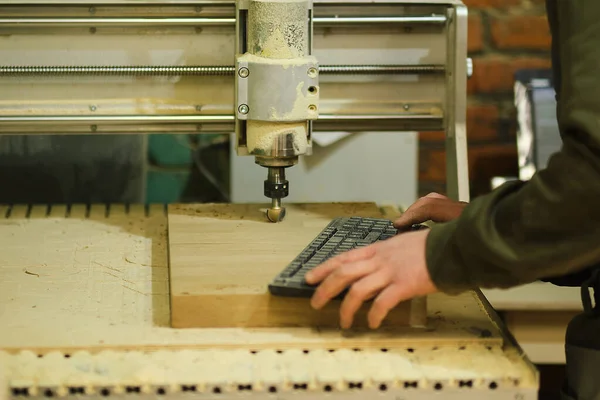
(341, 235)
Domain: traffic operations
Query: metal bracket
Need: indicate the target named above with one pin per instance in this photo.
(275, 91)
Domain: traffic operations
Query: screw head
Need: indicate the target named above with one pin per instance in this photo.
(243, 109)
(406, 107)
(243, 72)
(92, 108)
(312, 72)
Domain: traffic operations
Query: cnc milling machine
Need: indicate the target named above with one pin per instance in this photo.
(272, 71)
(87, 313)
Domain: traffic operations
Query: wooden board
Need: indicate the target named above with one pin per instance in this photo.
(223, 256)
(95, 279)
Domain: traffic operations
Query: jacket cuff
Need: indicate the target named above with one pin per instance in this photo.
(444, 262)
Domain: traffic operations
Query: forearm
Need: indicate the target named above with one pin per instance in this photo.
(523, 232)
(550, 225)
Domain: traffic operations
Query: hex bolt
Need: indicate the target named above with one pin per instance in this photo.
(243, 72)
(243, 109)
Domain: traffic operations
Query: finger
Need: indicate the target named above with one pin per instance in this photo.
(434, 195)
(416, 213)
(361, 291)
(384, 302)
(339, 280)
(436, 210)
(320, 272)
(411, 215)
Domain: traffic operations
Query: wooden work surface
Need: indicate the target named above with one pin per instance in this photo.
(85, 283)
(95, 281)
(223, 256)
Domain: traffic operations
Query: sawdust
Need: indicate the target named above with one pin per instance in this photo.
(261, 136)
(278, 30)
(3, 384)
(230, 368)
(285, 63)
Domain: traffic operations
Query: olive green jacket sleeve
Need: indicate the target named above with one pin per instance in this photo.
(550, 225)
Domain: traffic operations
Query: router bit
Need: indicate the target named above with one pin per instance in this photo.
(276, 188)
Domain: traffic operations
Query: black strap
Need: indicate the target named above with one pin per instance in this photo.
(594, 283)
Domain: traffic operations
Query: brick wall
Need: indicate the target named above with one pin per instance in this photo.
(504, 36)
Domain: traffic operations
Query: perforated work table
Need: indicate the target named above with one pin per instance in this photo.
(84, 300)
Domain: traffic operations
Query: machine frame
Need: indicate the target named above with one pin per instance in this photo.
(18, 15)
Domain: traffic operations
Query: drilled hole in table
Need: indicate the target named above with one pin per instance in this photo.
(20, 392)
(188, 388)
(133, 389)
(384, 350)
(383, 387)
(272, 389)
(410, 350)
(300, 386)
(105, 392)
(48, 393)
(493, 385)
(76, 390)
(327, 388)
(242, 388)
(468, 383)
(412, 384)
(216, 390)
(161, 391)
(438, 386)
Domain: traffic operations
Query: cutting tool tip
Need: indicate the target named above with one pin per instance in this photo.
(276, 214)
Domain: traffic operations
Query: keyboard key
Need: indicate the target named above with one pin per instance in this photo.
(372, 237)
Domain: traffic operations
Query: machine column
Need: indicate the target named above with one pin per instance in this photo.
(277, 90)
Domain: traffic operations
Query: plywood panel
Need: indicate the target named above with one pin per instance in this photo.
(222, 257)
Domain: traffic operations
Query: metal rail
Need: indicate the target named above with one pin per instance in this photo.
(191, 119)
(205, 70)
(436, 19)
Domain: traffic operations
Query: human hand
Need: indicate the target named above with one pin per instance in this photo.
(433, 207)
(390, 271)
